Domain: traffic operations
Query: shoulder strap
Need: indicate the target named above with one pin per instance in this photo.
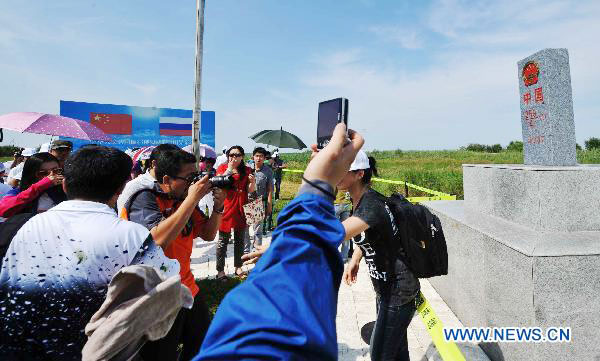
(134, 196)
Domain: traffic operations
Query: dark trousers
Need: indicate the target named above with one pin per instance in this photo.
(189, 329)
(388, 340)
(277, 186)
(238, 248)
(268, 220)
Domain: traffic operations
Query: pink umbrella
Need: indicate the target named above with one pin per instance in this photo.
(205, 150)
(51, 124)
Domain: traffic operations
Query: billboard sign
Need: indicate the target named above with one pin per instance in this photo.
(133, 127)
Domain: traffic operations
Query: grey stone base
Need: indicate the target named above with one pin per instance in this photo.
(544, 198)
(504, 274)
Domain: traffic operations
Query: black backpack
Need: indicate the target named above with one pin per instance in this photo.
(8, 230)
(419, 232)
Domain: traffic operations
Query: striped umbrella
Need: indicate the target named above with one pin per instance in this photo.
(142, 153)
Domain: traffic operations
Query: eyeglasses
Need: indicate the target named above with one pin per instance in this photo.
(190, 179)
(57, 171)
(236, 155)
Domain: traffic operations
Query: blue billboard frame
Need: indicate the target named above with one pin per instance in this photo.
(145, 124)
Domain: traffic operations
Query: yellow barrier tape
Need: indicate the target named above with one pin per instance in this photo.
(437, 195)
(425, 199)
(423, 189)
(448, 350)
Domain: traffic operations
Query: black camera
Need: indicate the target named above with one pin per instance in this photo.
(218, 181)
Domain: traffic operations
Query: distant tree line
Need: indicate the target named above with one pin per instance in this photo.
(8, 150)
(517, 146)
(474, 147)
(592, 143)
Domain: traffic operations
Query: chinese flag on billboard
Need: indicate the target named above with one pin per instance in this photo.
(112, 123)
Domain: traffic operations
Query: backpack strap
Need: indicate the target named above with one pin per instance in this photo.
(133, 197)
(395, 246)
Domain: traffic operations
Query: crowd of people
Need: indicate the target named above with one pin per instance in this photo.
(73, 219)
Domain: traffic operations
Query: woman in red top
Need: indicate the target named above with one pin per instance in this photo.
(39, 190)
(233, 213)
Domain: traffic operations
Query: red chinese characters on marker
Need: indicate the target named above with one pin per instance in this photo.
(530, 117)
(539, 95)
(527, 98)
(538, 139)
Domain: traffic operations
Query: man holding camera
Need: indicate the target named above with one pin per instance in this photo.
(170, 212)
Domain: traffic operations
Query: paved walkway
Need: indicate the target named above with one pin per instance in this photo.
(356, 307)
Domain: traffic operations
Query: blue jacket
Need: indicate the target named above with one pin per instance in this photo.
(286, 308)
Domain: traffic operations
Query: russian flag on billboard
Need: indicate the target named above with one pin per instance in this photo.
(175, 126)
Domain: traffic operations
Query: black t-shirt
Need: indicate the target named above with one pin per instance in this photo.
(277, 162)
(380, 249)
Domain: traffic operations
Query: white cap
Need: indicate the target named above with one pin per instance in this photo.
(360, 162)
(45, 147)
(16, 172)
(28, 152)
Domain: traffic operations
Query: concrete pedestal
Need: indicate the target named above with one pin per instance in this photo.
(520, 257)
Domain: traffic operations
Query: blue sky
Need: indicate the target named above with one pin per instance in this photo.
(419, 74)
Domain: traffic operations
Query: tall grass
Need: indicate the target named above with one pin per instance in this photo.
(437, 170)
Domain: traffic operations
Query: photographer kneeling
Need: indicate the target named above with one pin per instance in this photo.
(170, 212)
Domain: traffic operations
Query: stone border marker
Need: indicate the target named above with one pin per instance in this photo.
(547, 109)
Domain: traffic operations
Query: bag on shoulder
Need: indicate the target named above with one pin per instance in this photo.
(254, 211)
(8, 230)
(421, 237)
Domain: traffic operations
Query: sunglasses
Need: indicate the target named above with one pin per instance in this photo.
(236, 155)
(190, 179)
(57, 171)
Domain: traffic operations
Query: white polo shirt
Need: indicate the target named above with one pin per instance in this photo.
(56, 271)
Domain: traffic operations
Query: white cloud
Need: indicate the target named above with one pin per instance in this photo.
(145, 89)
(406, 38)
(468, 91)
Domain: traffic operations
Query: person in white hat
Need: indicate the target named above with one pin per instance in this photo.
(370, 227)
(28, 152)
(45, 147)
(14, 176)
(222, 159)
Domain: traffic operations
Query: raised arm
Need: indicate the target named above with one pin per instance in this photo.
(286, 309)
(11, 205)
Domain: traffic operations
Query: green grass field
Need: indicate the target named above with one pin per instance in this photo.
(437, 170)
